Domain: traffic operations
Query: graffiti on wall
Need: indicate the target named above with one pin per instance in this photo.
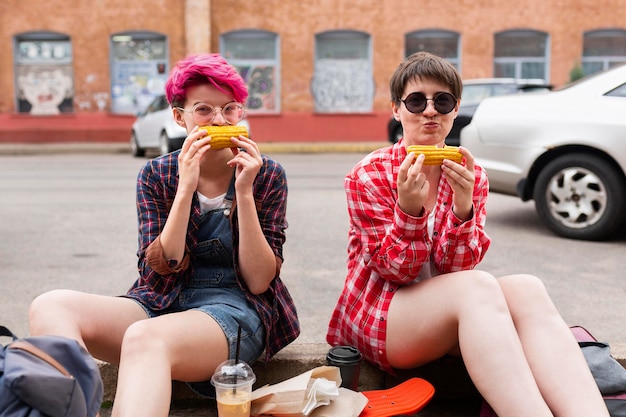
(261, 90)
(342, 86)
(136, 84)
(44, 89)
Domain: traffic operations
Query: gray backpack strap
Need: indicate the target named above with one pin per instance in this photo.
(34, 350)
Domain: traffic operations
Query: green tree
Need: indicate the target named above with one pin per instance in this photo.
(576, 72)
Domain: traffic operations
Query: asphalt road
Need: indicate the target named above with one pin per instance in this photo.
(68, 221)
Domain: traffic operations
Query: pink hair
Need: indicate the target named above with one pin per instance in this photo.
(204, 69)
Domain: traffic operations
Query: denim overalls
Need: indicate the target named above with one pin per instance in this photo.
(213, 288)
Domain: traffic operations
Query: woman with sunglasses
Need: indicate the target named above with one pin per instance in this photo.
(211, 232)
(412, 294)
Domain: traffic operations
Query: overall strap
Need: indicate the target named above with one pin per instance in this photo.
(230, 196)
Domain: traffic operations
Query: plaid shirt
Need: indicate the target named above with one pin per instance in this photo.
(159, 284)
(387, 248)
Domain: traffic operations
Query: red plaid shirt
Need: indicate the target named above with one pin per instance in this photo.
(387, 248)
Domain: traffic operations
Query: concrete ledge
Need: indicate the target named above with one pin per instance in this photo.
(447, 375)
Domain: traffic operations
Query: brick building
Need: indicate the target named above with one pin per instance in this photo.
(316, 70)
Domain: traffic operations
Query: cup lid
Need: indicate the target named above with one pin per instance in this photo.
(228, 372)
(344, 354)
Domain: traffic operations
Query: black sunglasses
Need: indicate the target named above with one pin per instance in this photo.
(416, 102)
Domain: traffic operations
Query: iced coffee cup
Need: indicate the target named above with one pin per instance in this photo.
(233, 388)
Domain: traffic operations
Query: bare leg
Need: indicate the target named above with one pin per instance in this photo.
(184, 346)
(97, 322)
(551, 349)
(465, 310)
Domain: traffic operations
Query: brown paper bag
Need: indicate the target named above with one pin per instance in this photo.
(314, 393)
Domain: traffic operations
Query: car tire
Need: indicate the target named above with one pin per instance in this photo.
(135, 149)
(164, 144)
(581, 196)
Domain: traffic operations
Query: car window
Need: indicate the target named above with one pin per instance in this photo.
(475, 93)
(154, 106)
(502, 89)
(618, 92)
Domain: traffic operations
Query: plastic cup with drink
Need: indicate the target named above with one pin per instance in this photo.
(233, 388)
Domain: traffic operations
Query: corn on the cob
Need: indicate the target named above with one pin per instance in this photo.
(434, 155)
(220, 135)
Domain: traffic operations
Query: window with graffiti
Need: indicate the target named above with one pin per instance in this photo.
(343, 81)
(255, 55)
(139, 70)
(44, 78)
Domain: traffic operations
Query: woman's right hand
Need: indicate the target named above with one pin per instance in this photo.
(191, 153)
(412, 185)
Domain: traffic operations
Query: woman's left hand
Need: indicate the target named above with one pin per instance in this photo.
(461, 178)
(247, 163)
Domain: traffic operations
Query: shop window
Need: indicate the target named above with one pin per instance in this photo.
(44, 80)
(139, 70)
(521, 54)
(603, 49)
(442, 43)
(343, 80)
(255, 55)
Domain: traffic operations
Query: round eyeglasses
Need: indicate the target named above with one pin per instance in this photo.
(416, 102)
(232, 112)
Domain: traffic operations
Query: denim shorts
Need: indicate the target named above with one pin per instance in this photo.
(230, 309)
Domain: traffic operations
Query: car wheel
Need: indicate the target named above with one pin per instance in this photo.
(164, 144)
(397, 134)
(580, 197)
(135, 149)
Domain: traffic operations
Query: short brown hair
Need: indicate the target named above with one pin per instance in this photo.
(424, 65)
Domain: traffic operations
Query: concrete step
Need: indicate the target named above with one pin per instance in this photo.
(453, 387)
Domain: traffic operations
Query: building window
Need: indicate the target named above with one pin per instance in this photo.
(255, 55)
(139, 70)
(442, 43)
(44, 79)
(343, 77)
(521, 54)
(603, 49)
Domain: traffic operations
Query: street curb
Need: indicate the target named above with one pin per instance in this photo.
(447, 375)
(116, 148)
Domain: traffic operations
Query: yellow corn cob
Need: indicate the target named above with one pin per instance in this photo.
(220, 135)
(434, 155)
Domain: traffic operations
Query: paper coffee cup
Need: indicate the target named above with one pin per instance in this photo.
(348, 359)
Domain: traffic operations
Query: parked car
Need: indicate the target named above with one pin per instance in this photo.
(564, 149)
(474, 91)
(155, 128)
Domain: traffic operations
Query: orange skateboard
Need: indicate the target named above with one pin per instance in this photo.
(404, 399)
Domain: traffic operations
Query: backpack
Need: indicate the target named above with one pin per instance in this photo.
(48, 376)
(608, 373)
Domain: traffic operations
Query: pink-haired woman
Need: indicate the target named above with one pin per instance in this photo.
(211, 232)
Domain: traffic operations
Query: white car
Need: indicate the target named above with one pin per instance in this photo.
(155, 128)
(564, 149)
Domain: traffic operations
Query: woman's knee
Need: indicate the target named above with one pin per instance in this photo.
(526, 294)
(47, 307)
(523, 286)
(480, 289)
(141, 337)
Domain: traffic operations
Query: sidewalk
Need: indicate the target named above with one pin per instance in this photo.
(123, 147)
